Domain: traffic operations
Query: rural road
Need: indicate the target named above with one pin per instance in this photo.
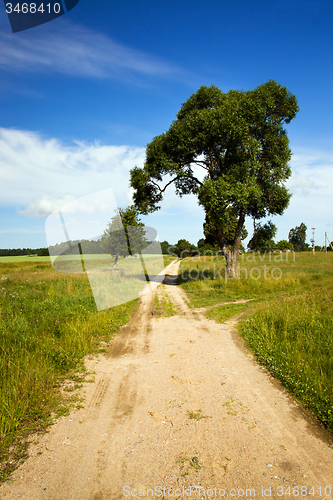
(178, 402)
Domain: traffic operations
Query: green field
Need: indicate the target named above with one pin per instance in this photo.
(290, 325)
(24, 258)
(35, 258)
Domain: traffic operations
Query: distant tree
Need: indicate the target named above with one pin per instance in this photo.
(43, 252)
(297, 237)
(125, 234)
(201, 242)
(184, 248)
(284, 245)
(262, 239)
(164, 246)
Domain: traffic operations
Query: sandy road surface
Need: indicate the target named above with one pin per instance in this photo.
(177, 402)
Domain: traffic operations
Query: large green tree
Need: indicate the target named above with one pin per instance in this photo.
(229, 226)
(239, 141)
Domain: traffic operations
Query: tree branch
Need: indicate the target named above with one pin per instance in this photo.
(173, 180)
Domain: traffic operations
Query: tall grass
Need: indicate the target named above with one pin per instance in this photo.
(294, 339)
(48, 323)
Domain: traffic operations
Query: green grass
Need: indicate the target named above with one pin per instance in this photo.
(256, 281)
(163, 306)
(291, 328)
(48, 323)
(24, 258)
(294, 339)
(222, 313)
(35, 258)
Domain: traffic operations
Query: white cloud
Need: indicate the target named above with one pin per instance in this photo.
(45, 205)
(80, 51)
(311, 185)
(39, 174)
(312, 173)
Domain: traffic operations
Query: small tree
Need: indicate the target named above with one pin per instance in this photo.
(124, 235)
(184, 248)
(284, 245)
(297, 237)
(262, 239)
(164, 247)
(239, 141)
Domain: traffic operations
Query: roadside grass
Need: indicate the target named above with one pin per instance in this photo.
(48, 323)
(261, 276)
(291, 328)
(224, 312)
(294, 339)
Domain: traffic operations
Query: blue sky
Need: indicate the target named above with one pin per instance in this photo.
(81, 97)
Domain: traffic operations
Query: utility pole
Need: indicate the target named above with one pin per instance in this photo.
(313, 240)
(325, 242)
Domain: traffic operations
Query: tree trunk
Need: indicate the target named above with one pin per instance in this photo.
(115, 263)
(231, 257)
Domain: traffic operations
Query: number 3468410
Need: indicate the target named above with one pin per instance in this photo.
(33, 8)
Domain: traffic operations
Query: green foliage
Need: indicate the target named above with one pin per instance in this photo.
(124, 235)
(184, 248)
(284, 245)
(228, 226)
(43, 252)
(297, 238)
(12, 252)
(239, 140)
(262, 239)
(164, 247)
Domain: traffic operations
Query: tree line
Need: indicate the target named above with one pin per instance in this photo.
(126, 235)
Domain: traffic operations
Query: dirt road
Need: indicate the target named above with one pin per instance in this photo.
(178, 402)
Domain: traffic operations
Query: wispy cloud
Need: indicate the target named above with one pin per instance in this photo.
(39, 174)
(80, 51)
(311, 185)
(312, 173)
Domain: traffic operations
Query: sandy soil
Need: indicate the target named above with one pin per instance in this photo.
(178, 402)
